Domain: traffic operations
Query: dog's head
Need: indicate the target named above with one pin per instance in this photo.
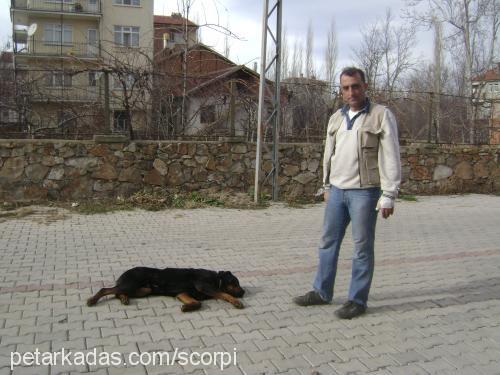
(230, 284)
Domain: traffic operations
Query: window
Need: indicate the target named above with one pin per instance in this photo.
(179, 38)
(57, 33)
(8, 116)
(129, 82)
(207, 114)
(121, 120)
(92, 79)
(166, 40)
(127, 36)
(172, 38)
(136, 3)
(58, 79)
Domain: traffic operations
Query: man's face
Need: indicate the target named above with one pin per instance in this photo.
(353, 91)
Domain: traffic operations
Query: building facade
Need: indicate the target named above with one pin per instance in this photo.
(486, 94)
(77, 63)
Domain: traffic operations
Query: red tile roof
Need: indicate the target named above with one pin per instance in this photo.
(169, 20)
(489, 75)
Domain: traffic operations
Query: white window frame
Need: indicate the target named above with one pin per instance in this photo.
(92, 79)
(127, 36)
(131, 3)
(55, 33)
(58, 79)
(121, 121)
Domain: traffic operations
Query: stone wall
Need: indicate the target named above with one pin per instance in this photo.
(44, 169)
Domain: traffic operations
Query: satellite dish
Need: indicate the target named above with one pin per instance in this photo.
(32, 29)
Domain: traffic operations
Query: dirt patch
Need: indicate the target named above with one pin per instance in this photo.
(37, 214)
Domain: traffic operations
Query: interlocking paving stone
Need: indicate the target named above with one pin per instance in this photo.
(434, 306)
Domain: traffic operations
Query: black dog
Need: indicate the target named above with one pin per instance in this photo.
(189, 285)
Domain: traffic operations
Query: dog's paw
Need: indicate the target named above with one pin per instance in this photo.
(91, 302)
(238, 304)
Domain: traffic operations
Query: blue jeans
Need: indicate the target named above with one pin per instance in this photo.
(344, 206)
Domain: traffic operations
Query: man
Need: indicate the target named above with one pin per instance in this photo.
(361, 174)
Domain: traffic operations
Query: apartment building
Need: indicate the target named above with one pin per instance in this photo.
(77, 63)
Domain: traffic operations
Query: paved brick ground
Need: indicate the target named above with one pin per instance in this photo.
(434, 307)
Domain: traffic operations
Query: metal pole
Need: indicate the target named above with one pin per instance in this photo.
(261, 102)
(430, 117)
(277, 104)
(107, 113)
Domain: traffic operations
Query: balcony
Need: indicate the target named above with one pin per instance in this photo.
(76, 7)
(36, 47)
(67, 94)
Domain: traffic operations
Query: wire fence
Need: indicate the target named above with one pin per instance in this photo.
(75, 105)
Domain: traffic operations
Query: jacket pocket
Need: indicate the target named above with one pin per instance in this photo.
(370, 156)
(369, 139)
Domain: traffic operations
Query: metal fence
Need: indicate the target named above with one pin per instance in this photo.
(75, 109)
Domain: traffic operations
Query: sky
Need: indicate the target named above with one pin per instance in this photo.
(244, 18)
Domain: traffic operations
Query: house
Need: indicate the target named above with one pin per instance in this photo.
(70, 56)
(198, 91)
(486, 94)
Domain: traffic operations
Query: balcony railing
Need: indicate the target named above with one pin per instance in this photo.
(64, 6)
(67, 94)
(38, 47)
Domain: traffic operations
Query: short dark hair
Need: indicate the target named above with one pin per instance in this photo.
(351, 71)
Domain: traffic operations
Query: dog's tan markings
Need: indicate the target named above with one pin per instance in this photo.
(101, 293)
(189, 303)
(229, 298)
(123, 298)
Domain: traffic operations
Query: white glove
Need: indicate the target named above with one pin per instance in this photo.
(385, 202)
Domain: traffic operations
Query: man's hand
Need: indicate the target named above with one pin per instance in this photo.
(386, 206)
(386, 212)
(326, 195)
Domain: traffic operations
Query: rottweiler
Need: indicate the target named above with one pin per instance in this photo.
(189, 285)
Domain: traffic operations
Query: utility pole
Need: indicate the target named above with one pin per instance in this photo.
(275, 116)
(107, 113)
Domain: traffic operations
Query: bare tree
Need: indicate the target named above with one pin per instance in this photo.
(227, 48)
(331, 54)
(472, 33)
(438, 59)
(310, 71)
(285, 69)
(396, 49)
(297, 62)
(385, 53)
(368, 54)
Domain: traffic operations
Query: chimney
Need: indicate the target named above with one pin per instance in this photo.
(255, 65)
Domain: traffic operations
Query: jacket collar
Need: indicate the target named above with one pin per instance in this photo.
(366, 108)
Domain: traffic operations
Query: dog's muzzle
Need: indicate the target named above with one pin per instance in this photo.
(236, 291)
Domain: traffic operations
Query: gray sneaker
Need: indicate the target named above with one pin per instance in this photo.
(310, 299)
